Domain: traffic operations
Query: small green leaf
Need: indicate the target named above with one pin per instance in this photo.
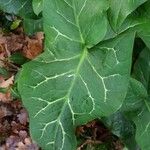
(3, 90)
(14, 92)
(32, 26)
(18, 58)
(4, 72)
(15, 24)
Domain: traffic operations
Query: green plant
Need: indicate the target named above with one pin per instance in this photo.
(85, 72)
(23, 8)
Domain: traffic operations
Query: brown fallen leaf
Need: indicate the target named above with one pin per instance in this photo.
(23, 117)
(14, 42)
(21, 146)
(31, 47)
(4, 112)
(34, 46)
(2, 43)
(23, 134)
(1, 59)
(5, 97)
(7, 83)
(80, 130)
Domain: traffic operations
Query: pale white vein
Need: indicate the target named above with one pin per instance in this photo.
(89, 93)
(61, 34)
(83, 6)
(146, 128)
(45, 127)
(8, 2)
(102, 79)
(66, 18)
(63, 134)
(50, 143)
(73, 118)
(47, 102)
(114, 52)
(68, 4)
(63, 59)
(52, 77)
(22, 5)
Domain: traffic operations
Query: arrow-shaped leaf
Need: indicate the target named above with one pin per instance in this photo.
(74, 81)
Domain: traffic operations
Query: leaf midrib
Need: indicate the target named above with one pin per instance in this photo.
(83, 56)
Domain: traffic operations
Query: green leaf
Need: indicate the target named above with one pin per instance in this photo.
(15, 24)
(23, 8)
(141, 68)
(74, 81)
(120, 126)
(134, 21)
(18, 58)
(120, 9)
(135, 95)
(63, 85)
(32, 26)
(142, 117)
(80, 24)
(4, 72)
(14, 92)
(136, 107)
(3, 90)
(144, 33)
(142, 121)
(19, 7)
(37, 6)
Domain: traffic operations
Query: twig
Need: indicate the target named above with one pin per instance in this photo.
(10, 64)
(89, 141)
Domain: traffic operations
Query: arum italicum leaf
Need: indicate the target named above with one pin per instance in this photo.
(144, 31)
(142, 122)
(120, 9)
(74, 81)
(137, 100)
(141, 117)
(142, 69)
